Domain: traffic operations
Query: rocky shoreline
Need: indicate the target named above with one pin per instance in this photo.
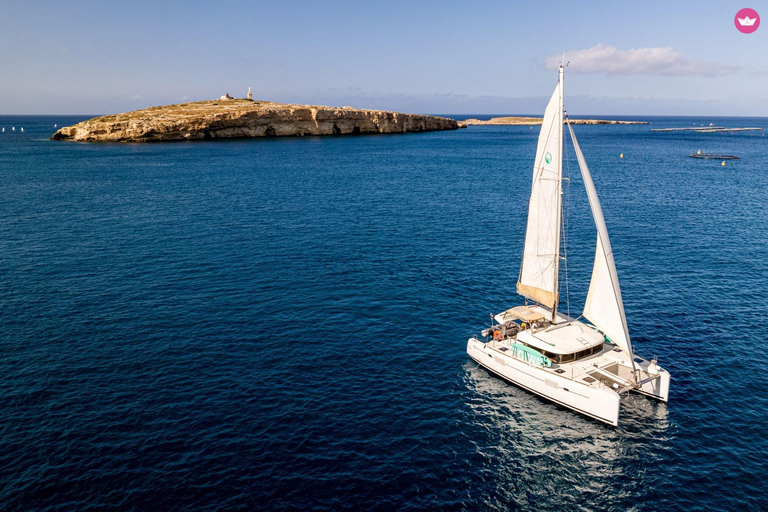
(533, 121)
(244, 118)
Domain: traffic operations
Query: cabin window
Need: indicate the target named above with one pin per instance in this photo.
(567, 358)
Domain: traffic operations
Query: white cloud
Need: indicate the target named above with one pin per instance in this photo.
(136, 97)
(646, 61)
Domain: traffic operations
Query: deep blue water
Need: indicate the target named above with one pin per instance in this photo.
(281, 324)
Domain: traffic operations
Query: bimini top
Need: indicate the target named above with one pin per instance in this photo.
(523, 313)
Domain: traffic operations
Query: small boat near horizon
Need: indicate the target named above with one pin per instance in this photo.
(713, 156)
(586, 367)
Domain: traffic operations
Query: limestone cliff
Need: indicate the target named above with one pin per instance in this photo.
(237, 118)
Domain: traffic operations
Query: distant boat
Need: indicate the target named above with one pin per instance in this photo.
(713, 156)
(55, 125)
(586, 367)
(3, 129)
(22, 128)
(13, 129)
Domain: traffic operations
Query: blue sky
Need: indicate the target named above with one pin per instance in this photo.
(676, 58)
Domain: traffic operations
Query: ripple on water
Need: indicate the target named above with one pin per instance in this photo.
(282, 325)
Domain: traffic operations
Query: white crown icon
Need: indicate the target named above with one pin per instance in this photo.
(746, 21)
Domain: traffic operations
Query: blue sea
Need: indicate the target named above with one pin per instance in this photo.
(281, 324)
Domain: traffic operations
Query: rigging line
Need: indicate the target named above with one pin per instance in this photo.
(566, 224)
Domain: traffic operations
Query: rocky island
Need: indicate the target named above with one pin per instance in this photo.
(228, 118)
(532, 121)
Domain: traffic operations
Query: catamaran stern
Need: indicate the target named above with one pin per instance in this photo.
(653, 381)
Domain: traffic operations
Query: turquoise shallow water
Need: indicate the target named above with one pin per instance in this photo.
(281, 324)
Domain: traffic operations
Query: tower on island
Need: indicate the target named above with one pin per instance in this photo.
(250, 94)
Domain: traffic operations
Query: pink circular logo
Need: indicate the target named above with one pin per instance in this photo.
(747, 20)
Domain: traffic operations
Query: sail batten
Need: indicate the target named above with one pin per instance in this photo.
(604, 306)
(538, 279)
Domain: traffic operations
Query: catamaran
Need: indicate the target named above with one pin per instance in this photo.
(587, 366)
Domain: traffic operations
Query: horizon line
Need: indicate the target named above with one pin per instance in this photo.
(446, 115)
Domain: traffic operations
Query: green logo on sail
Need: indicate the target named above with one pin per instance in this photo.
(548, 157)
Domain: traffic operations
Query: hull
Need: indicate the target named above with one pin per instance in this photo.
(602, 404)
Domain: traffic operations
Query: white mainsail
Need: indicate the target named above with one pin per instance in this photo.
(538, 279)
(604, 306)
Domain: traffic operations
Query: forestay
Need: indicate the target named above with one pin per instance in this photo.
(604, 306)
(541, 253)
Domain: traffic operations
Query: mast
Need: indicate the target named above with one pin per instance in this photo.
(559, 191)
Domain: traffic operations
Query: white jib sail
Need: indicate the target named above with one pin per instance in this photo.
(541, 253)
(604, 306)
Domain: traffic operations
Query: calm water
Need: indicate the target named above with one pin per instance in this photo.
(281, 324)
